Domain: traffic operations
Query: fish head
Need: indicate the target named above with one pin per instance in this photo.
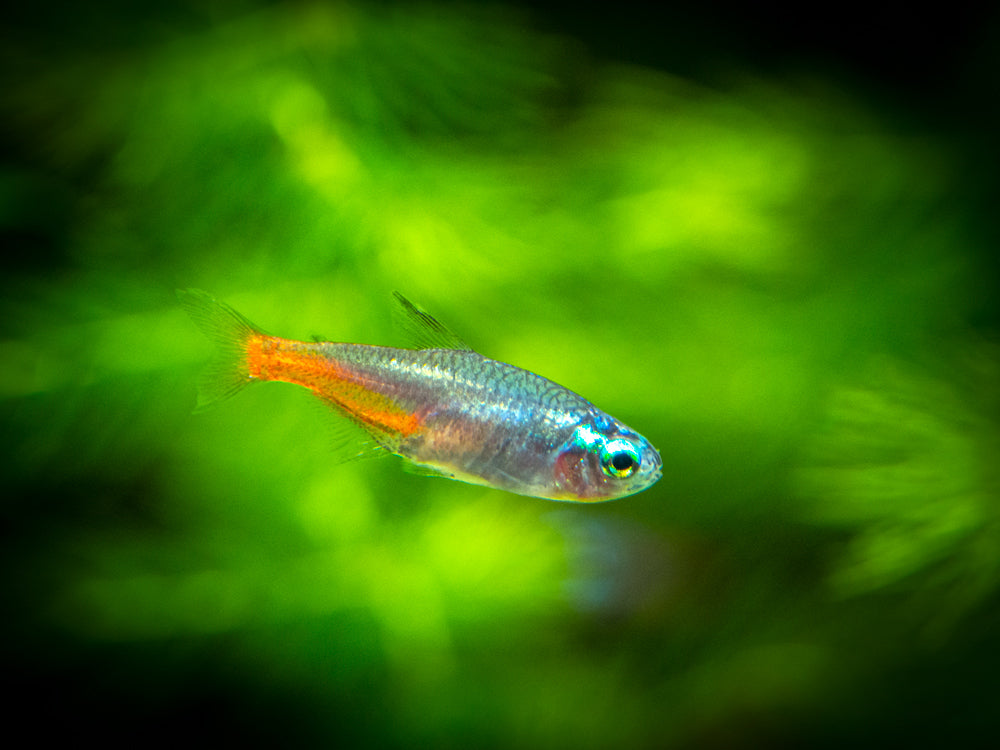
(602, 459)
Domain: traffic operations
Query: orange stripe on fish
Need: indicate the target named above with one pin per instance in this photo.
(288, 361)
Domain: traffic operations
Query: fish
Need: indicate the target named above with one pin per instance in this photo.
(447, 410)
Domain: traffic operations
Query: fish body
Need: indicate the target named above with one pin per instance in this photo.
(449, 411)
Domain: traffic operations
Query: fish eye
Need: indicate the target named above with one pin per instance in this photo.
(619, 459)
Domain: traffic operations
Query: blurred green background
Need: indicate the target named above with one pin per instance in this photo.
(772, 257)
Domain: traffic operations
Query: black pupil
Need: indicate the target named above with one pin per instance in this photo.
(622, 461)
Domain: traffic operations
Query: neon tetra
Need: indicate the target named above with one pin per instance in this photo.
(448, 410)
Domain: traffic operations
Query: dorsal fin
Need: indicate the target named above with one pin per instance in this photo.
(423, 330)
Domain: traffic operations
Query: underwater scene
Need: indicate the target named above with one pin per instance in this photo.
(684, 329)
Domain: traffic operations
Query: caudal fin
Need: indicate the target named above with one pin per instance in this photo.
(228, 373)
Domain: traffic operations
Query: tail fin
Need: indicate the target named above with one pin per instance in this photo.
(228, 373)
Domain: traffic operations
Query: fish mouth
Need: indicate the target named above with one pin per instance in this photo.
(656, 471)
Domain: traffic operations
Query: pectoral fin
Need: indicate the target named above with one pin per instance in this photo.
(426, 470)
